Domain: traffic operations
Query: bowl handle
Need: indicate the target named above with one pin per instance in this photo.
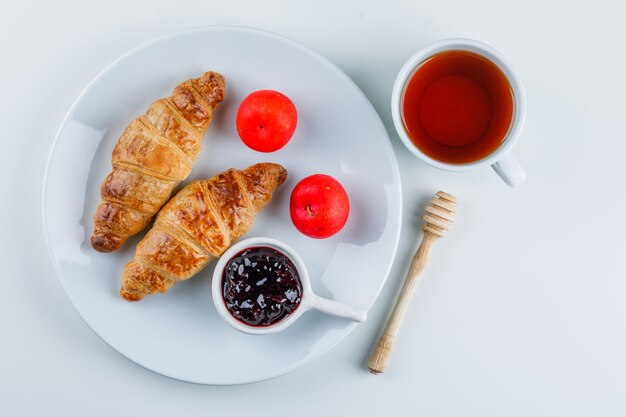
(338, 309)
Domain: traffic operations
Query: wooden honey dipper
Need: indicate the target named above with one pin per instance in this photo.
(437, 220)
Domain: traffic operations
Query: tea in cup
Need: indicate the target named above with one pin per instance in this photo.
(458, 105)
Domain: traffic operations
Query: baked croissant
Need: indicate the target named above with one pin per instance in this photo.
(198, 225)
(154, 154)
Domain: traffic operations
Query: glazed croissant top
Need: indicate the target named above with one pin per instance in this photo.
(155, 152)
(198, 225)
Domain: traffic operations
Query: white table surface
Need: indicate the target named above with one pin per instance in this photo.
(522, 311)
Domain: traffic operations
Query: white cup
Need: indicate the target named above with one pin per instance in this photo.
(501, 159)
(309, 300)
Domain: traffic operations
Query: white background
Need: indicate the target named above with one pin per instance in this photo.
(522, 311)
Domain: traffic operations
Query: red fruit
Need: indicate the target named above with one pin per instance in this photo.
(266, 120)
(319, 206)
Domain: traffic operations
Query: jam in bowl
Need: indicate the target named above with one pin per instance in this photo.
(261, 286)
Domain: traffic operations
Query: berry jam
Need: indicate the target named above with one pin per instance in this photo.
(261, 286)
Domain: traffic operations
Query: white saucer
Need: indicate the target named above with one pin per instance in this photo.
(179, 334)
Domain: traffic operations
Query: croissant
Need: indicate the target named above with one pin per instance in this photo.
(154, 154)
(198, 225)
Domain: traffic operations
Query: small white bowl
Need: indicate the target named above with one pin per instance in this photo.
(308, 301)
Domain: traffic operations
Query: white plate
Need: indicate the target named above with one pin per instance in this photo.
(179, 334)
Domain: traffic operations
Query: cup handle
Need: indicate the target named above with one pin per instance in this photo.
(510, 171)
(338, 309)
